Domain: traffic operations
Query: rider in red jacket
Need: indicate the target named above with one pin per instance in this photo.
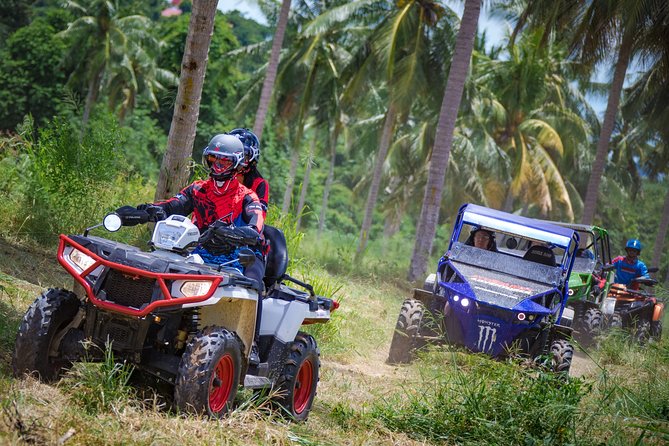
(248, 173)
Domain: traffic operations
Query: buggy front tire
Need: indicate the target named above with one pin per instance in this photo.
(562, 353)
(209, 373)
(404, 342)
(39, 339)
(299, 378)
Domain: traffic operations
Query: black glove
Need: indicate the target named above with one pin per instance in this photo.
(156, 213)
(220, 238)
(131, 216)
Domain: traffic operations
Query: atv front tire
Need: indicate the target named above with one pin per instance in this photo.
(642, 332)
(616, 321)
(209, 373)
(404, 342)
(562, 353)
(299, 377)
(592, 323)
(38, 348)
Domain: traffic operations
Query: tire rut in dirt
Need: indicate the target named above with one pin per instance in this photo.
(46, 316)
(299, 378)
(209, 373)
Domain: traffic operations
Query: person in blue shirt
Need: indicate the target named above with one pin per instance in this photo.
(630, 267)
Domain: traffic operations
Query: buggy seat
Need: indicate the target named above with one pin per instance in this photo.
(540, 254)
(277, 258)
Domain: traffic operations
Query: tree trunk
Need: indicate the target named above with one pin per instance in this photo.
(591, 195)
(329, 180)
(429, 215)
(174, 168)
(661, 233)
(288, 194)
(305, 182)
(272, 67)
(91, 99)
(384, 145)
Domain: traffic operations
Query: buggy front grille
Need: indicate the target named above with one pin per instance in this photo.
(128, 290)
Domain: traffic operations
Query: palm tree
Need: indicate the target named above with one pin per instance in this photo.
(102, 40)
(429, 215)
(174, 168)
(272, 67)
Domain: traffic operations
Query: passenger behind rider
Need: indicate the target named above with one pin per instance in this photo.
(482, 238)
(630, 267)
(248, 172)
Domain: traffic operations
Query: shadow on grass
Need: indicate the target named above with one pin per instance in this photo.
(10, 318)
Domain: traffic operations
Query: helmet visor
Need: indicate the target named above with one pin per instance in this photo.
(220, 165)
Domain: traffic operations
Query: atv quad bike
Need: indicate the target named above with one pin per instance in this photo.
(637, 311)
(588, 282)
(172, 316)
(507, 299)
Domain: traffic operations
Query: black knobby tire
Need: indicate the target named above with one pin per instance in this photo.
(298, 380)
(404, 342)
(642, 332)
(592, 322)
(42, 324)
(616, 321)
(562, 353)
(209, 373)
(656, 330)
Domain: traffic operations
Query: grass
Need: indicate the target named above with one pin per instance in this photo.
(445, 397)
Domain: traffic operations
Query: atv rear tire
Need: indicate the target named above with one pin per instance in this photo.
(209, 373)
(404, 342)
(299, 377)
(592, 323)
(42, 326)
(562, 353)
(656, 330)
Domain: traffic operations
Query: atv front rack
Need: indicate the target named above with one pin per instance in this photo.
(101, 266)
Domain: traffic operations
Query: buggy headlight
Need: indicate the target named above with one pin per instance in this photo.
(195, 288)
(81, 260)
(609, 305)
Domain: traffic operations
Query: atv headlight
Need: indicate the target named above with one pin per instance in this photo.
(609, 305)
(195, 288)
(81, 260)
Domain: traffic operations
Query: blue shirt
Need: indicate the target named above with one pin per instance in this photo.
(625, 271)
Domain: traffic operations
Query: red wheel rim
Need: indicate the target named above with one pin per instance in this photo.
(220, 385)
(302, 389)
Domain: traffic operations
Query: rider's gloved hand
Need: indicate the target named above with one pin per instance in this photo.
(156, 213)
(131, 216)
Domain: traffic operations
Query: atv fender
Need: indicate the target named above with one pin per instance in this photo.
(658, 311)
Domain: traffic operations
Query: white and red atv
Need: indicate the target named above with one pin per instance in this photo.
(178, 319)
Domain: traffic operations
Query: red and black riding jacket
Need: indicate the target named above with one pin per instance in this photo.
(254, 181)
(232, 203)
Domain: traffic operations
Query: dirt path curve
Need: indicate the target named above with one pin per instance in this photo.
(582, 366)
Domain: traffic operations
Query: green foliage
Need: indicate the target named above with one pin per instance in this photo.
(492, 400)
(100, 386)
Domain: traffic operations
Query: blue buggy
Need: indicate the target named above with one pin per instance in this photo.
(506, 297)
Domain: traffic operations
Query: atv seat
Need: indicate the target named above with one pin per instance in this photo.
(277, 258)
(540, 254)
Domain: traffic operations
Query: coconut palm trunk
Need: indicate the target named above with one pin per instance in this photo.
(592, 192)
(429, 215)
(174, 168)
(288, 193)
(91, 97)
(305, 182)
(384, 145)
(272, 68)
(329, 180)
(661, 233)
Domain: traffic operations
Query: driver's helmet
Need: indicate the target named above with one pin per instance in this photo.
(223, 156)
(492, 245)
(633, 244)
(251, 146)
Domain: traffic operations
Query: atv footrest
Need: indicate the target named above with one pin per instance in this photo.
(256, 382)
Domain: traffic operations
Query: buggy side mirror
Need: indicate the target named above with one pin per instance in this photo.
(246, 257)
(511, 243)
